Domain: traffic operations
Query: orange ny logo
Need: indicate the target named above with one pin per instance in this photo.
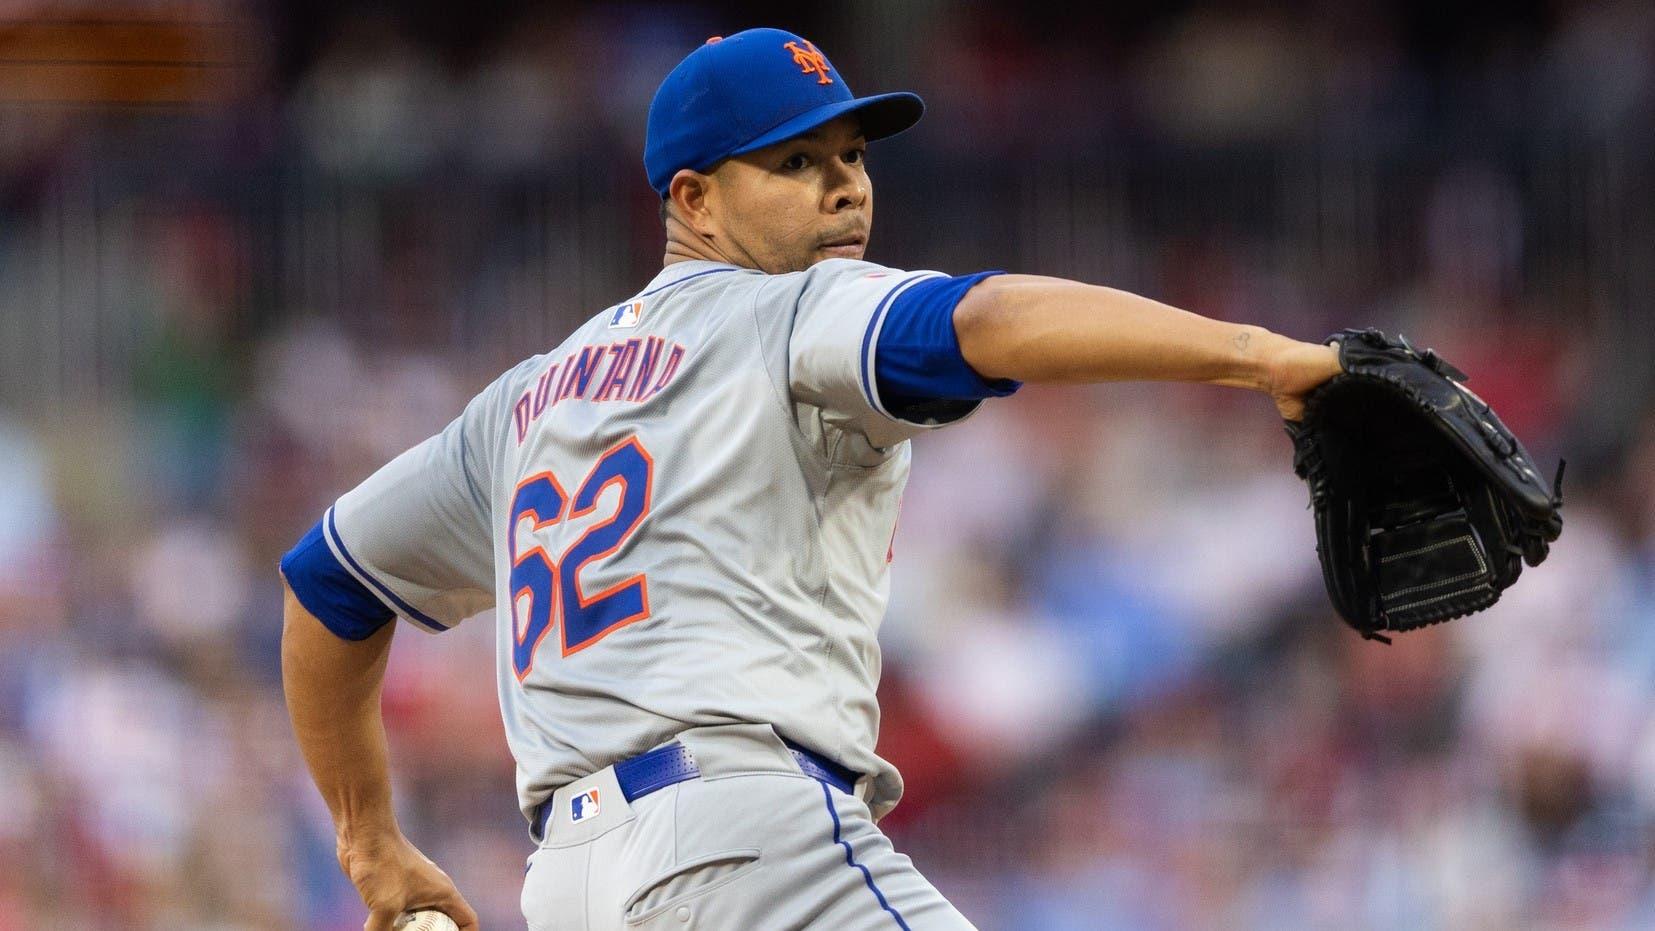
(810, 61)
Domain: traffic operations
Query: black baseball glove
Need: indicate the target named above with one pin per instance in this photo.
(1426, 505)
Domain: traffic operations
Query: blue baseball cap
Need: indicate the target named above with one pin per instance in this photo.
(744, 92)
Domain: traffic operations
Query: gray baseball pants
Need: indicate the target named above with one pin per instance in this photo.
(751, 845)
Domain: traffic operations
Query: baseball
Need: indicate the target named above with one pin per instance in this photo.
(426, 920)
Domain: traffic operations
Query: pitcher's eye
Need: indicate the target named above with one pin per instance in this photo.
(856, 156)
(795, 161)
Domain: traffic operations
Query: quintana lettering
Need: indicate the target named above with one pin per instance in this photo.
(629, 371)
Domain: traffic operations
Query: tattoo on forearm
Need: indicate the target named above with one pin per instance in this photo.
(1241, 340)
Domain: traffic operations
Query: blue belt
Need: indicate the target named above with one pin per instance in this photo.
(669, 765)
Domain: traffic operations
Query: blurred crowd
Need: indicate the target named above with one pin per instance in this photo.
(1113, 681)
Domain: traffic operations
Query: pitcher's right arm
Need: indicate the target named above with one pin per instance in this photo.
(1038, 329)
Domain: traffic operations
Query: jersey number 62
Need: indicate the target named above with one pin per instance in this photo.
(542, 588)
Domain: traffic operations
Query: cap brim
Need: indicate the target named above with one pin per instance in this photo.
(882, 115)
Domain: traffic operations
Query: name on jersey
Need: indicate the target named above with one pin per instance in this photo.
(635, 371)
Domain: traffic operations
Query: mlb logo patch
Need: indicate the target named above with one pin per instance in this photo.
(626, 316)
(584, 805)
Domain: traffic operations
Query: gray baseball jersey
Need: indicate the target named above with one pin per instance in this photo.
(683, 514)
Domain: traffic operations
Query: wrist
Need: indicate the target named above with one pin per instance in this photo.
(364, 834)
(1257, 355)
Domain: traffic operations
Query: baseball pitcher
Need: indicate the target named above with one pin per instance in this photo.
(682, 518)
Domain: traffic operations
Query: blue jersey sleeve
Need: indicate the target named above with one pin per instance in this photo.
(329, 591)
(917, 361)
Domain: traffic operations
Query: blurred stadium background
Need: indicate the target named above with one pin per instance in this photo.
(250, 251)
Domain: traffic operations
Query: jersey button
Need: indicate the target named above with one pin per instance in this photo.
(683, 913)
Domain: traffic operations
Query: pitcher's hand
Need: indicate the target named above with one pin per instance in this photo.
(1294, 370)
(393, 877)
